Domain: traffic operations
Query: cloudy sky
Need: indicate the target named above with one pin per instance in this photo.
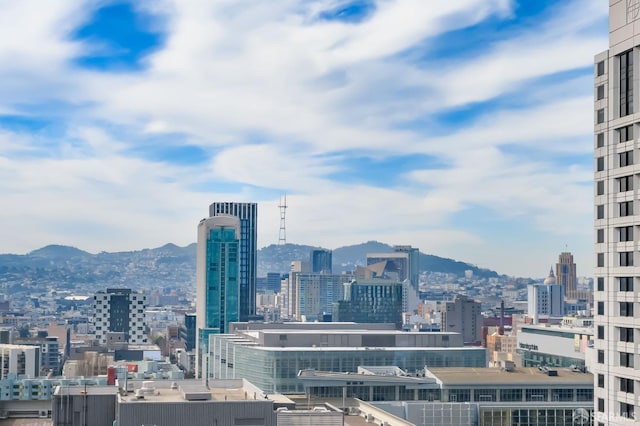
(460, 127)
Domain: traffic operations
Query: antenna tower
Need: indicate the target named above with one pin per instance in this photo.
(282, 237)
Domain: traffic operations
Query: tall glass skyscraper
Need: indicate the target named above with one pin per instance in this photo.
(320, 261)
(248, 215)
(217, 280)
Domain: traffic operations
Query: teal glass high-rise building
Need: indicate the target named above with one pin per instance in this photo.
(217, 280)
(247, 213)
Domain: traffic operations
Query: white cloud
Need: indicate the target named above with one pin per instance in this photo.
(278, 98)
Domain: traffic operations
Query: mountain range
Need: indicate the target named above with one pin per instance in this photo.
(171, 266)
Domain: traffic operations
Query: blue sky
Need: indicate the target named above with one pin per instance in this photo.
(463, 128)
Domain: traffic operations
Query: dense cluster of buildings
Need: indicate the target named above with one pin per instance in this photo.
(364, 344)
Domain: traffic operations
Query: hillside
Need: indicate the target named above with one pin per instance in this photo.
(171, 266)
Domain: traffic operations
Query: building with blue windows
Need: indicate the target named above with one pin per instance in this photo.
(247, 213)
(321, 261)
(370, 301)
(217, 278)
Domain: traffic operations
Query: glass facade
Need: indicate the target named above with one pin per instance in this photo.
(275, 370)
(248, 215)
(535, 359)
(371, 302)
(501, 416)
(222, 291)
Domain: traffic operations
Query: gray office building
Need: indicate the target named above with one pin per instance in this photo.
(272, 358)
(402, 264)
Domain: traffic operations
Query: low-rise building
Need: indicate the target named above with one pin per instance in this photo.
(555, 346)
(272, 358)
(462, 396)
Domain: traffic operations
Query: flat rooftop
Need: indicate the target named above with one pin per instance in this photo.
(89, 389)
(222, 390)
(557, 329)
(347, 331)
(497, 377)
(368, 348)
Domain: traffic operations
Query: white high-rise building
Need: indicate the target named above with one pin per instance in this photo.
(545, 299)
(617, 216)
(119, 310)
(19, 360)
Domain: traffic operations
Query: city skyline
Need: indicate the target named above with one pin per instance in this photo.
(379, 120)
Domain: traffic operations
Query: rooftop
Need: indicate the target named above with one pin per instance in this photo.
(557, 328)
(355, 331)
(366, 348)
(497, 377)
(195, 391)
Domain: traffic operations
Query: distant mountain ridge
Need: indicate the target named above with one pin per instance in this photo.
(347, 257)
(171, 266)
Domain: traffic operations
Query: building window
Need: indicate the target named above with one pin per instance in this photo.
(459, 395)
(626, 309)
(625, 158)
(625, 233)
(600, 68)
(600, 236)
(626, 83)
(626, 359)
(601, 332)
(625, 133)
(625, 183)
(536, 395)
(625, 208)
(600, 140)
(626, 283)
(599, 164)
(600, 187)
(600, 92)
(600, 356)
(584, 394)
(626, 334)
(600, 380)
(600, 116)
(627, 411)
(626, 258)
(600, 211)
(600, 308)
(600, 260)
(600, 405)
(600, 284)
